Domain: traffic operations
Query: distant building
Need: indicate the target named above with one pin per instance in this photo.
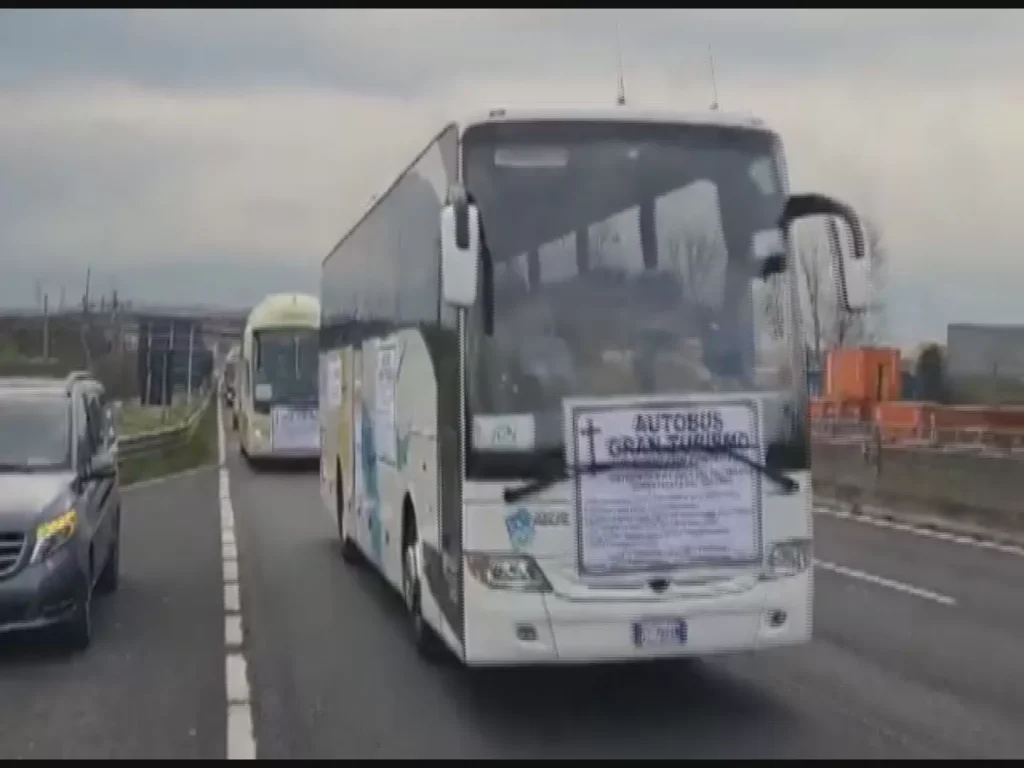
(985, 351)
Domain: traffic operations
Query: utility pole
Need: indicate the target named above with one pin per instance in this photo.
(46, 327)
(620, 98)
(167, 373)
(714, 80)
(191, 347)
(149, 363)
(85, 297)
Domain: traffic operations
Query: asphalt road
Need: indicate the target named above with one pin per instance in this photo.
(917, 653)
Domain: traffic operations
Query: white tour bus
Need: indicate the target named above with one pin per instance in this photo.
(276, 401)
(564, 392)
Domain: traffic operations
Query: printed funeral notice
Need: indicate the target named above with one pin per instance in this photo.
(704, 508)
(294, 429)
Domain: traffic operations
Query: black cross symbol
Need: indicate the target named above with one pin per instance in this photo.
(588, 432)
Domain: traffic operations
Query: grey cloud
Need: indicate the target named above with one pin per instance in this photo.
(402, 53)
(156, 145)
(213, 282)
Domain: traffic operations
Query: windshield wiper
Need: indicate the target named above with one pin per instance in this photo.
(788, 484)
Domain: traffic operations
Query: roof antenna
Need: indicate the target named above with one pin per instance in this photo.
(714, 81)
(621, 97)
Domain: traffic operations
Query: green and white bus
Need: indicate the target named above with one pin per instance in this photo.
(277, 397)
(564, 391)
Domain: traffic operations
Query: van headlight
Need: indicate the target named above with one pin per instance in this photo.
(789, 558)
(54, 534)
(507, 571)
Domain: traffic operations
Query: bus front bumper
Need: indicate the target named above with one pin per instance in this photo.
(506, 628)
(261, 447)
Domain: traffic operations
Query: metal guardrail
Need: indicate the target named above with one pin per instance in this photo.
(971, 440)
(132, 446)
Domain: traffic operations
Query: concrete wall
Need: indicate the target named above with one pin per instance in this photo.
(978, 489)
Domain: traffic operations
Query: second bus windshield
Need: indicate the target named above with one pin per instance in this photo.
(286, 360)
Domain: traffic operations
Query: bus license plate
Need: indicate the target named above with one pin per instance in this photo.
(659, 632)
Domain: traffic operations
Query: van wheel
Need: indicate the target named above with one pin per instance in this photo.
(111, 575)
(77, 632)
(427, 643)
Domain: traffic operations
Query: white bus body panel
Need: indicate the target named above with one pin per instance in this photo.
(392, 457)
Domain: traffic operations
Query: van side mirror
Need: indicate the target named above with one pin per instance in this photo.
(101, 466)
(460, 253)
(849, 254)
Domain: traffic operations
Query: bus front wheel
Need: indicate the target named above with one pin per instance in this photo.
(428, 644)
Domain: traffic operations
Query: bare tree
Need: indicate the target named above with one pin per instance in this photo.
(604, 241)
(829, 324)
(695, 260)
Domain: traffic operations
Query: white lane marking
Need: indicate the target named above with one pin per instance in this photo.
(899, 586)
(952, 538)
(233, 631)
(241, 737)
(237, 676)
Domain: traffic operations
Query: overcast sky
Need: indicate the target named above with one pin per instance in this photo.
(214, 156)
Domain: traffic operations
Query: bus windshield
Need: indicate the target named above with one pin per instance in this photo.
(286, 366)
(622, 265)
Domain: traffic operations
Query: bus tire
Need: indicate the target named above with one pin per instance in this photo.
(349, 550)
(428, 644)
(249, 460)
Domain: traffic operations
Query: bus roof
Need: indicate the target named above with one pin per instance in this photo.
(285, 310)
(616, 113)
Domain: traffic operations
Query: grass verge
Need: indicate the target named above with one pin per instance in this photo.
(135, 419)
(200, 450)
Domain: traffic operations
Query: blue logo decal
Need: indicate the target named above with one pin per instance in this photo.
(519, 525)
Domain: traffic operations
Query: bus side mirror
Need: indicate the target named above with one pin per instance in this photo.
(851, 266)
(460, 253)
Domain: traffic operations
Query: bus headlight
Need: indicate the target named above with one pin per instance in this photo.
(507, 571)
(789, 558)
